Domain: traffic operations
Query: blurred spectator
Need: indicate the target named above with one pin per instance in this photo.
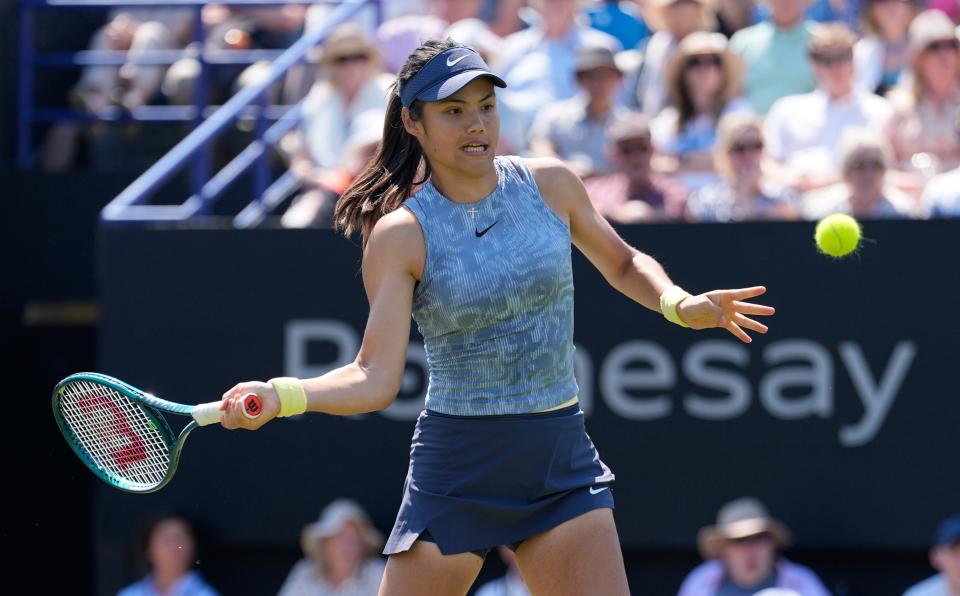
(170, 550)
(941, 195)
(742, 559)
(236, 28)
(672, 20)
(348, 101)
(880, 57)
(136, 31)
(510, 584)
(704, 82)
(775, 56)
(621, 19)
(922, 128)
(400, 36)
(743, 194)
(366, 17)
(945, 558)
(341, 555)
(734, 15)
(539, 63)
(635, 192)
(865, 191)
(802, 132)
(575, 129)
(832, 11)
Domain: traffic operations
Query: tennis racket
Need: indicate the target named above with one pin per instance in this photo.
(119, 432)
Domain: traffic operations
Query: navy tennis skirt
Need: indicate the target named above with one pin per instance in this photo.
(476, 482)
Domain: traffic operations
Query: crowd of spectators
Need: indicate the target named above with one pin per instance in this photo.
(743, 555)
(670, 110)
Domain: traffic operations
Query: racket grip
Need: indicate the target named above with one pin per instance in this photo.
(210, 413)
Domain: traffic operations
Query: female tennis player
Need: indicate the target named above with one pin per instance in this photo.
(479, 255)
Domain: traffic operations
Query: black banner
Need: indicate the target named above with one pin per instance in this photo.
(843, 419)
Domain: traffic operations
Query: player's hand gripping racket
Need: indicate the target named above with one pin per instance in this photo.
(119, 432)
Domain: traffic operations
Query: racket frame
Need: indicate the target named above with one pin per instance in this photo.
(150, 405)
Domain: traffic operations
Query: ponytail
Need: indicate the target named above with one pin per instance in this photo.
(389, 178)
(399, 164)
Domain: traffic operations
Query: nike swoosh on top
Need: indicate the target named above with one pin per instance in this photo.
(451, 60)
(479, 233)
(599, 490)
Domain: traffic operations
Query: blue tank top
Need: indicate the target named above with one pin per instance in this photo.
(495, 301)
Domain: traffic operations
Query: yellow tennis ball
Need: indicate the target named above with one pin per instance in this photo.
(837, 235)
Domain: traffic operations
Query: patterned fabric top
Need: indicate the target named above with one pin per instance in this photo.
(495, 302)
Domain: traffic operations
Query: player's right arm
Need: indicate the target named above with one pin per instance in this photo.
(392, 262)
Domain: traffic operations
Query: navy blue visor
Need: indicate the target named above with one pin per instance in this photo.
(445, 74)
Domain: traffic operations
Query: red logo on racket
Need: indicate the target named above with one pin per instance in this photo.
(132, 453)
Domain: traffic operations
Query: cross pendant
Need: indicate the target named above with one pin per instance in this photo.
(473, 213)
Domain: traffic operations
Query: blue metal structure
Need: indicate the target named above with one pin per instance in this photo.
(271, 122)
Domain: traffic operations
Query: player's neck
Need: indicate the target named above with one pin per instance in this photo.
(461, 187)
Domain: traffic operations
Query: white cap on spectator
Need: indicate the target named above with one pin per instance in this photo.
(927, 27)
(332, 519)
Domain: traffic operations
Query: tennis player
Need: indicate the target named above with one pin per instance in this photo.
(479, 255)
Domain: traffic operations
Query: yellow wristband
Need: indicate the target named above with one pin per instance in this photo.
(668, 304)
(293, 399)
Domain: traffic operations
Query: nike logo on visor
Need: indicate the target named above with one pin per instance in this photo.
(479, 233)
(451, 60)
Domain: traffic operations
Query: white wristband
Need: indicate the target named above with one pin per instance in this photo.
(669, 301)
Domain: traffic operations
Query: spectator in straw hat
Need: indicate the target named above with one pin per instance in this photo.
(672, 20)
(340, 550)
(742, 556)
(774, 53)
(704, 81)
(350, 85)
(922, 127)
(575, 130)
(945, 558)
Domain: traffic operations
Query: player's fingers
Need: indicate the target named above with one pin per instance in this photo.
(753, 309)
(745, 293)
(232, 391)
(738, 332)
(749, 323)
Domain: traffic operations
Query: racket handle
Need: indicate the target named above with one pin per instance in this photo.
(210, 413)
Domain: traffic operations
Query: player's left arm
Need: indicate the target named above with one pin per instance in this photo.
(633, 273)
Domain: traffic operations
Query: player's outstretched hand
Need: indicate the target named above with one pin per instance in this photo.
(232, 406)
(726, 309)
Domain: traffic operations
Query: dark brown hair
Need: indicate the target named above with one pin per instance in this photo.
(399, 161)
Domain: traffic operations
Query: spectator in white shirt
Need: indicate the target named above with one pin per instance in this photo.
(803, 131)
(881, 56)
(945, 558)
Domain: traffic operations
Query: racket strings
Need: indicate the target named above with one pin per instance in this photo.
(116, 433)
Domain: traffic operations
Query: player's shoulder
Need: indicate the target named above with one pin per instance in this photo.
(396, 236)
(549, 170)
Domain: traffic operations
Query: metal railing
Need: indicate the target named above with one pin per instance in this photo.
(271, 123)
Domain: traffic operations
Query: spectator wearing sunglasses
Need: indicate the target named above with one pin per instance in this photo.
(865, 191)
(635, 192)
(742, 194)
(704, 81)
(742, 557)
(922, 128)
(350, 84)
(803, 131)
